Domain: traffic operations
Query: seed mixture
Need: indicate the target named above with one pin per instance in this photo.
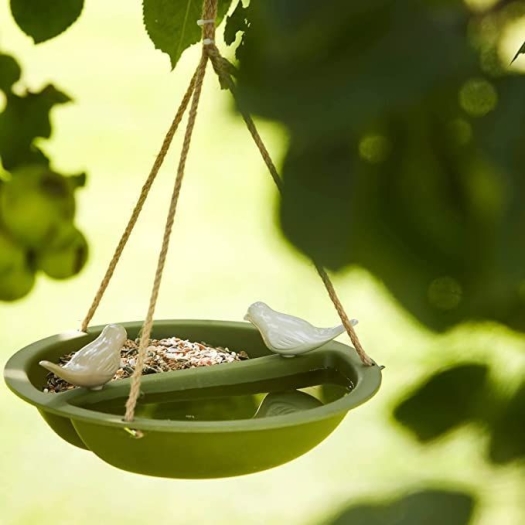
(163, 355)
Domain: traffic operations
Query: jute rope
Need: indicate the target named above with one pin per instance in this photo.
(223, 69)
(148, 323)
(343, 316)
(208, 32)
(140, 203)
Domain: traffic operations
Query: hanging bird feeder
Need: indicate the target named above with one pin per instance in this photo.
(239, 430)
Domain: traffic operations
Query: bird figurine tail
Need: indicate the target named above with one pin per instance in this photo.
(72, 377)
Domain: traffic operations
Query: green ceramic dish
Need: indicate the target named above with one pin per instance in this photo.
(194, 449)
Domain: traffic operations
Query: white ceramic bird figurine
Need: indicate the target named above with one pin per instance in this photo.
(288, 335)
(95, 364)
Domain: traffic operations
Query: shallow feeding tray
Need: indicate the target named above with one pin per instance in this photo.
(209, 422)
(194, 448)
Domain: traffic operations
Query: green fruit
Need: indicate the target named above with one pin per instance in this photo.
(34, 203)
(16, 283)
(11, 255)
(65, 256)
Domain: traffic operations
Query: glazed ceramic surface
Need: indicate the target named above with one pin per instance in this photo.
(289, 335)
(96, 363)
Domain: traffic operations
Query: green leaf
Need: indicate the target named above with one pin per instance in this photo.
(439, 223)
(447, 400)
(43, 20)
(78, 180)
(9, 72)
(425, 507)
(172, 24)
(438, 214)
(313, 70)
(24, 119)
(236, 22)
(317, 199)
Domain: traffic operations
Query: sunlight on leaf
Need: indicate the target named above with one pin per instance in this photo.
(172, 24)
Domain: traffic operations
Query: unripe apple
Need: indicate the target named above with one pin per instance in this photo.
(16, 283)
(34, 204)
(11, 255)
(65, 256)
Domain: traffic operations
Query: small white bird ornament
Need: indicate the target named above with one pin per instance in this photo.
(95, 364)
(288, 335)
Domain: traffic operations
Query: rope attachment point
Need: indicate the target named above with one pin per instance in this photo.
(207, 21)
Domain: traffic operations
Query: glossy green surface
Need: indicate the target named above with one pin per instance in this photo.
(209, 447)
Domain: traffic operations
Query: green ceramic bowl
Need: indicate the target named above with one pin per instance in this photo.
(192, 448)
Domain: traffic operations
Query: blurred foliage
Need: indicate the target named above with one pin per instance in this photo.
(464, 394)
(23, 120)
(405, 157)
(450, 397)
(520, 51)
(428, 507)
(404, 153)
(507, 428)
(37, 204)
(237, 22)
